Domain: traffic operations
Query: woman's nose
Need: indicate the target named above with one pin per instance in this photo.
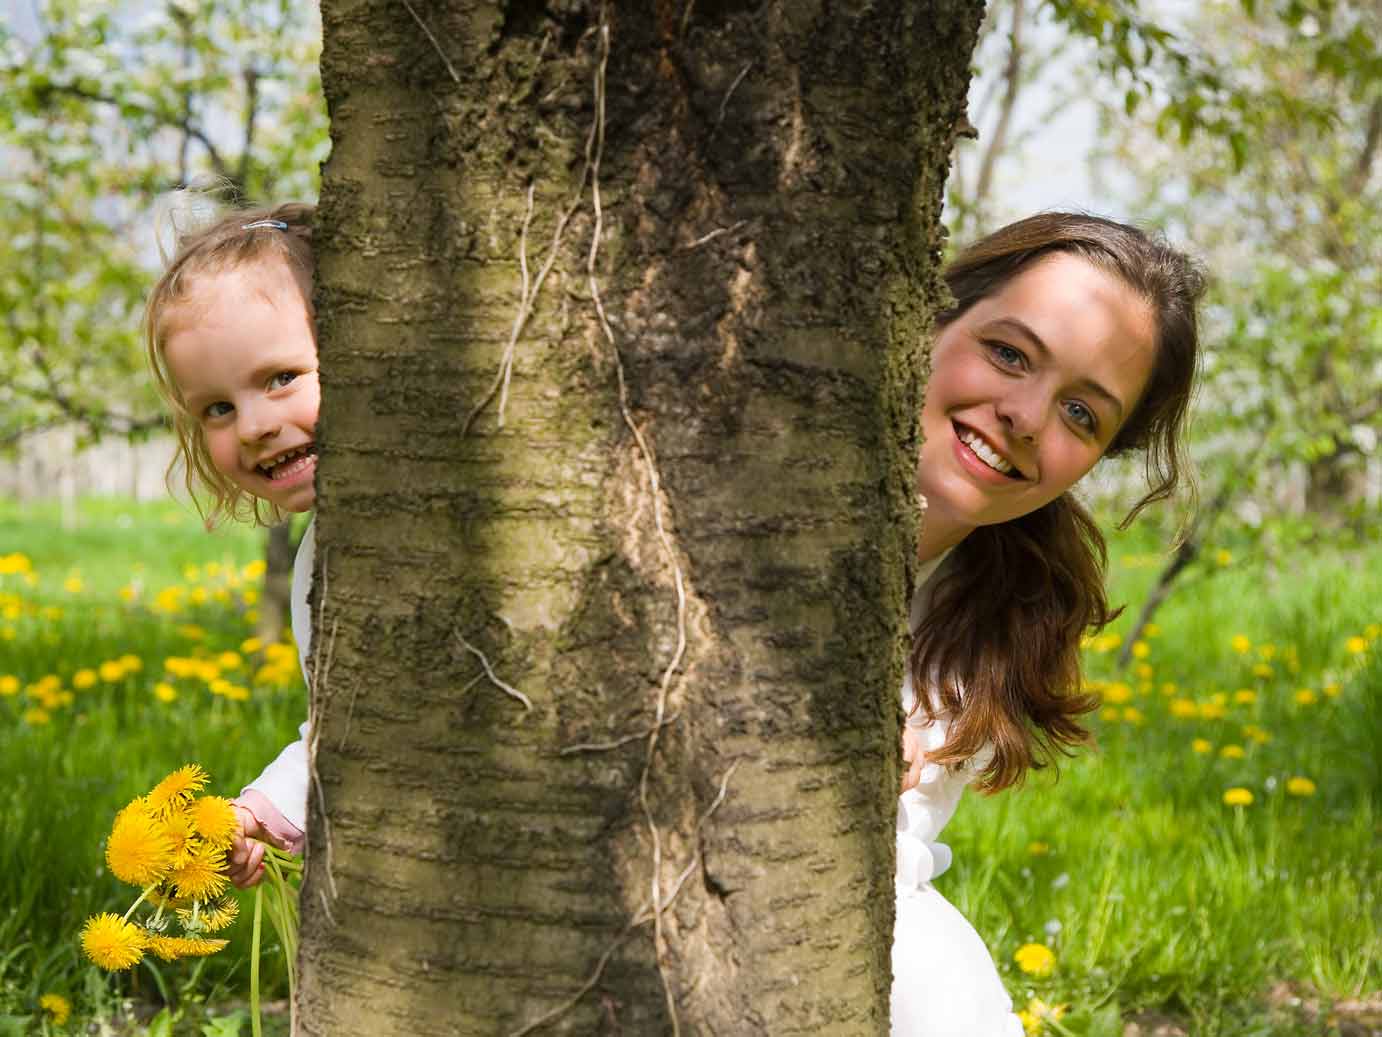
(1021, 411)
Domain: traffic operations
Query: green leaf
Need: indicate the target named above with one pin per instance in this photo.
(161, 1025)
(224, 1026)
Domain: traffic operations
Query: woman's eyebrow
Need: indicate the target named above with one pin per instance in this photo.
(1022, 330)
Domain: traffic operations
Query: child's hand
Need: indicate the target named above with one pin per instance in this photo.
(246, 857)
(912, 756)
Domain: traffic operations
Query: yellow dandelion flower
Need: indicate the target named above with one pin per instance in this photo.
(177, 826)
(1151, 630)
(111, 671)
(1109, 714)
(1145, 671)
(1223, 558)
(1184, 708)
(1241, 644)
(192, 632)
(229, 660)
(191, 573)
(251, 616)
(1212, 710)
(1169, 689)
(57, 1007)
(1202, 746)
(202, 875)
(1117, 693)
(83, 679)
(1237, 797)
(1038, 849)
(254, 569)
(9, 685)
(1331, 689)
(211, 917)
(128, 592)
(111, 942)
(1244, 697)
(35, 717)
(250, 597)
(1267, 651)
(1141, 649)
(1035, 959)
(73, 584)
(139, 850)
(214, 820)
(1037, 1013)
(1257, 734)
(1299, 786)
(1306, 697)
(177, 789)
(131, 663)
(1356, 645)
(165, 692)
(198, 596)
(1262, 670)
(1133, 715)
(1232, 752)
(250, 645)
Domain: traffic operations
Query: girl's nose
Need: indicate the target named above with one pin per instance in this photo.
(256, 423)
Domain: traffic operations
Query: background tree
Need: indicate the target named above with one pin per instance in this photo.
(104, 109)
(622, 313)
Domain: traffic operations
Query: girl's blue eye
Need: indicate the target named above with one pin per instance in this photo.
(1081, 415)
(214, 410)
(281, 379)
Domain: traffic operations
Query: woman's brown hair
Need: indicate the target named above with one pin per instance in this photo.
(239, 237)
(1001, 637)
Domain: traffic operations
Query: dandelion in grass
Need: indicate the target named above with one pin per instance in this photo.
(214, 820)
(1244, 697)
(111, 671)
(176, 791)
(139, 850)
(1141, 649)
(1037, 1014)
(165, 692)
(112, 943)
(36, 717)
(1203, 746)
(1299, 786)
(9, 685)
(178, 828)
(1356, 645)
(1036, 848)
(56, 1007)
(1223, 558)
(1256, 734)
(1262, 671)
(84, 679)
(1331, 690)
(1306, 697)
(1237, 797)
(1232, 752)
(1035, 959)
(1241, 644)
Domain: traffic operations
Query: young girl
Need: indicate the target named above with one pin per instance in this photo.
(1072, 338)
(230, 338)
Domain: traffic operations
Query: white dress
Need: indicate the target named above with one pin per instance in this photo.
(944, 980)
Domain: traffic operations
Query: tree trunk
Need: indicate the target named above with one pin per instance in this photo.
(609, 641)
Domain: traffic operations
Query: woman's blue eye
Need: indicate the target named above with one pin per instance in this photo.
(1006, 354)
(281, 379)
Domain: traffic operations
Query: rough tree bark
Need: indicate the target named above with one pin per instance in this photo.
(609, 638)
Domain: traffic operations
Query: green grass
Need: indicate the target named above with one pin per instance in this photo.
(1154, 895)
(63, 778)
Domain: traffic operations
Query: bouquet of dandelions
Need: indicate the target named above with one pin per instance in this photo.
(172, 845)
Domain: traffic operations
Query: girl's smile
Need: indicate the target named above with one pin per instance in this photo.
(1028, 388)
(245, 363)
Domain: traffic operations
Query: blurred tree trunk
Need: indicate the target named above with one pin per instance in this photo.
(274, 605)
(626, 630)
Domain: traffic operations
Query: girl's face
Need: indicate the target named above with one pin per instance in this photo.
(243, 354)
(1027, 390)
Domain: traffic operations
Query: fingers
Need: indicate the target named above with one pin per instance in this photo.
(246, 862)
(913, 757)
(911, 778)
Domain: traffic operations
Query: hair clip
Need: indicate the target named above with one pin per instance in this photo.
(275, 224)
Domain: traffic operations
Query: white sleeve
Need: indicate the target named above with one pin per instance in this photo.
(284, 781)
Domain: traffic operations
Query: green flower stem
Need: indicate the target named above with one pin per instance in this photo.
(147, 890)
(255, 1026)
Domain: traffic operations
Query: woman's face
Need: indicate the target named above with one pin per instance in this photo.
(1028, 388)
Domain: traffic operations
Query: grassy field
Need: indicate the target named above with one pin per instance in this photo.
(1137, 895)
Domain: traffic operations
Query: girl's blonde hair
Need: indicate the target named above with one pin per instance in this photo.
(232, 240)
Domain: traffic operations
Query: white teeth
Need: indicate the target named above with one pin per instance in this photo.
(985, 452)
(268, 466)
